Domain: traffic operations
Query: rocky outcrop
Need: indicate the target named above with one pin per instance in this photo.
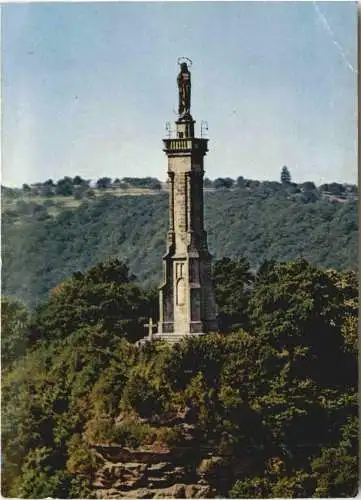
(148, 473)
(188, 468)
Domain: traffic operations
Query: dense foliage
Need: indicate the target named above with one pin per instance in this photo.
(117, 304)
(267, 395)
(45, 242)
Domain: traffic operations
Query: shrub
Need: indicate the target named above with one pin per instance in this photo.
(142, 395)
(171, 436)
(133, 434)
(100, 430)
(80, 461)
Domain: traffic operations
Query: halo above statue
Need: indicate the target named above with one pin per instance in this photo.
(181, 60)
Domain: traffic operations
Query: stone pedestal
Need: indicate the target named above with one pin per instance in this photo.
(186, 298)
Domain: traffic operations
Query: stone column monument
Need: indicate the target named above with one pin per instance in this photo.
(186, 298)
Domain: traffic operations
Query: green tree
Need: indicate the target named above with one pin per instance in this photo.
(105, 295)
(336, 468)
(23, 389)
(308, 186)
(300, 305)
(285, 175)
(26, 189)
(14, 330)
(241, 182)
(336, 189)
(299, 484)
(298, 311)
(79, 181)
(346, 283)
(41, 476)
(104, 183)
(232, 281)
(65, 187)
(221, 182)
(47, 399)
(143, 394)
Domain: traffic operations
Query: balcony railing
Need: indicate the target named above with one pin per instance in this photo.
(185, 144)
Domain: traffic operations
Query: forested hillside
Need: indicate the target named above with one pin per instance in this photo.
(45, 240)
(256, 411)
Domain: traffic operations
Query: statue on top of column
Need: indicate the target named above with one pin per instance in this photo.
(184, 88)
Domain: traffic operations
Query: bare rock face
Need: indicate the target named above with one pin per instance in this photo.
(188, 468)
(148, 473)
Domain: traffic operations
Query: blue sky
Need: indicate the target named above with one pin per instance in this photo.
(87, 88)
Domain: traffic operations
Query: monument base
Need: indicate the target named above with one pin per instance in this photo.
(175, 337)
(172, 338)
